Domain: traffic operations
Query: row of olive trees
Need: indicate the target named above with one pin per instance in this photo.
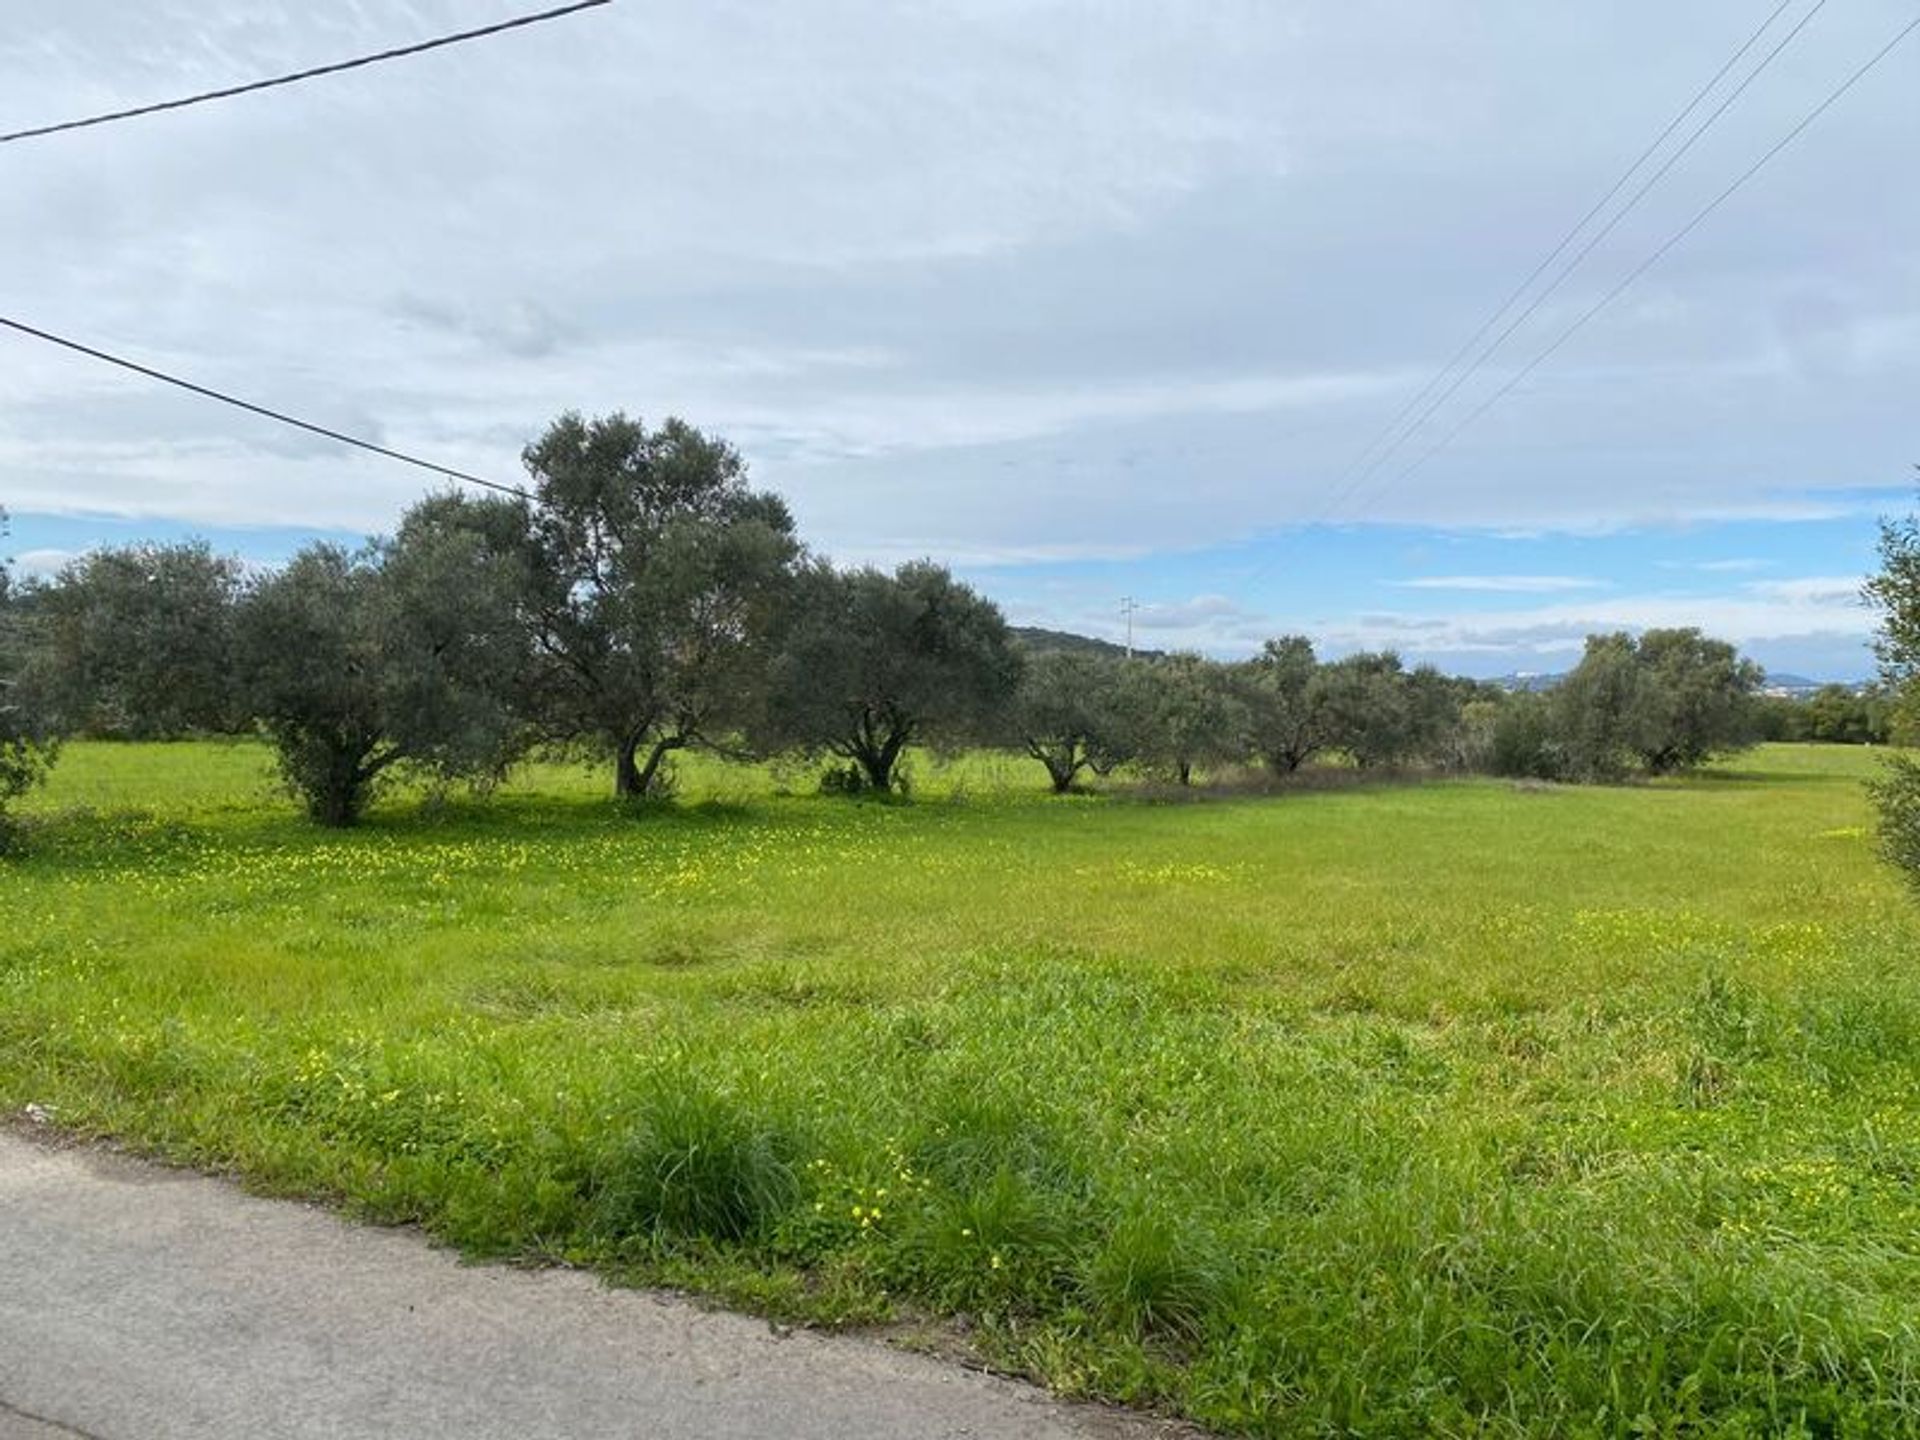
(1076, 712)
(1660, 703)
(643, 600)
(1832, 715)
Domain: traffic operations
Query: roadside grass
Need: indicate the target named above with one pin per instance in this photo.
(1456, 1109)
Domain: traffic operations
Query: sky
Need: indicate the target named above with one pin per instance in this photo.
(1093, 301)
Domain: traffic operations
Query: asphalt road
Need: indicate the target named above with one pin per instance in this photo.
(138, 1303)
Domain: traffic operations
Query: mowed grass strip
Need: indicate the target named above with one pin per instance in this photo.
(1459, 1109)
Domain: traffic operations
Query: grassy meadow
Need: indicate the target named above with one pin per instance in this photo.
(1457, 1109)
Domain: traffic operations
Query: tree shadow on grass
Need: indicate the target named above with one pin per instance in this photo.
(1769, 779)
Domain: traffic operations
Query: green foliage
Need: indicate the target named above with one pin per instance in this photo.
(402, 655)
(1467, 1109)
(1076, 711)
(1284, 703)
(871, 663)
(1693, 700)
(851, 780)
(1594, 709)
(1436, 719)
(1896, 591)
(1664, 703)
(654, 579)
(1000, 1242)
(1191, 714)
(139, 641)
(29, 737)
(1150, 1278)
(1525, 742)
(1368, 709)
(1837, 715)
(311, 642)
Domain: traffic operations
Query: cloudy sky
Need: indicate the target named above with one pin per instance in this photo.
(1091, 300)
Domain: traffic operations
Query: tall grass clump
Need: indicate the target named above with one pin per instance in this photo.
(695, 1165)
(1150, 1277)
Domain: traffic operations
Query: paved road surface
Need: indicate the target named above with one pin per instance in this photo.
(139, 1303)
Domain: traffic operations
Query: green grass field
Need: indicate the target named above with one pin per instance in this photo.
(1458, 1109)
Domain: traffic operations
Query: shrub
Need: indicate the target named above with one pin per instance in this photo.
(28, 736)
(1523, 744)
(1897, 795)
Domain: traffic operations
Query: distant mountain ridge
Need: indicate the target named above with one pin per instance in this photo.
(1797, 686)
(1039, 640)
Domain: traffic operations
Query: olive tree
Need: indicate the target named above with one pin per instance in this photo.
(653, 580)
(870, 663)
(1590, 711)
(1522, 739)
(1076, 712)
(1662, 703)
(1367, 707)
(1190, 716)
(1840, 715)
(403, 654)
(1283, 703)
(1448, 722)
(1895, 592)
(1694, 700)
(139, 641)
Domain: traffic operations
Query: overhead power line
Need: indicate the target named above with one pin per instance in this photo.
(1519, 291)
(1392, 436)
(1592, 242)
(520, 22)
(446, 471)
(1665, 246)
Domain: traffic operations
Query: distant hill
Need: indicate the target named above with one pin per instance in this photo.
(1796, 686)
(1527, 681)
(1039, 640)
(1793, 685)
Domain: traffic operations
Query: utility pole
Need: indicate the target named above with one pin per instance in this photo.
(1127, 606)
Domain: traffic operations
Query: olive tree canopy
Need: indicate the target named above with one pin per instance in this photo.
(405, 653)
(1191, 714)
(1283, 703)
(1076, 712)
(654, 577)
(1664, 702)
(139, 641)
(873, 662)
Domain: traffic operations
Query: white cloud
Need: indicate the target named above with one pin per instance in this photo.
(1810, 622)
(1190, 614)
(43, 563)
(1000, 282)
(1502, 584)
(1789, 613)
(1837, 591)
